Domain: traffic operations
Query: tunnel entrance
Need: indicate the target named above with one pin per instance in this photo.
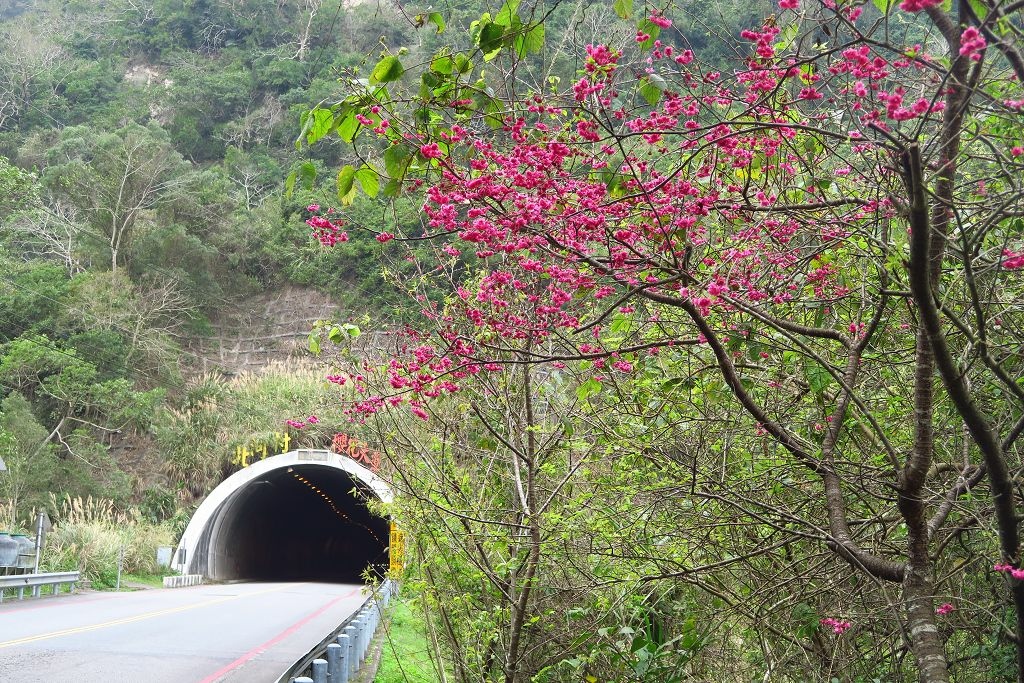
(299, 516)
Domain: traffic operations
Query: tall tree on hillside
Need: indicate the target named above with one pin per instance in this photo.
(32, 66)
(115, 182)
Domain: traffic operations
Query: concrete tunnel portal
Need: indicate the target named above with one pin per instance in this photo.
(298, 516)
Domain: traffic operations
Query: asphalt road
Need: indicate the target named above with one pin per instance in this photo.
(246, 632)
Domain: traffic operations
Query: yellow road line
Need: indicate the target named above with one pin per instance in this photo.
(138, 617)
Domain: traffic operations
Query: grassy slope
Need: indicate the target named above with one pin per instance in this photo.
(405, 658)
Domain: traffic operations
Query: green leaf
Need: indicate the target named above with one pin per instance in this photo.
(387, 70)
(307, 175)
(339, 333)
(588, 389)
(651, 88)
(368, 180)
(790, 34)
(434, 18)
(348, 127)
(491, 37)
(430, 81)
(624, 8)
(811, 145)
(442, 64)
(314, 342)
(507, 16)
(393, 188)
(495, 118)
(346, 176)
(621, 323)
(883, 5)
(320, 121)
(289, 185)
(818, 378)
(424, 115)
(306, 121)
(462, 63)
(530, 41)
(396, 160)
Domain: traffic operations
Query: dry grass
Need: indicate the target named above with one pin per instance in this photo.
(90, 533)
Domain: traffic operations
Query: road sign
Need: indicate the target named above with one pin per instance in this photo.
(396, 549)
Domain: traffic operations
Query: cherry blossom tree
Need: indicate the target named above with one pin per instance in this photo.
(833, 232)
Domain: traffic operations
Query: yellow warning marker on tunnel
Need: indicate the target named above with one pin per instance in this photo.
(396, 551)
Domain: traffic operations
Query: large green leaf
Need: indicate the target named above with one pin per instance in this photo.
(651, 29)
(651, 87)
(491, 37)
(507, 16)
(624, 8)
(442, 64)
(396, 159)
(980, 8)
(388, 69)
(307, 175)
(462, 63)
(434, 18)
(818, 378)
(346, 177)
(368, 180)
(588, 389)
(530, 40)
(393, 188)
(320, 122)
(348, 127)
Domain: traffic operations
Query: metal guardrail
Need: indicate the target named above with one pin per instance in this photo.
(36, 583)
(340, 655)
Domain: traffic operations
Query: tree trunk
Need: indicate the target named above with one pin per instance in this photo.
(923, 630)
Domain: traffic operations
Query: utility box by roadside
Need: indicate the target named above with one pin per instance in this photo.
(163, 556)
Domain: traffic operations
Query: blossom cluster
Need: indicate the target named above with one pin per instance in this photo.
(838, 626)
(327, 229)
(1013, 260)
(299, 424)
(1009, 569)
(972, 43)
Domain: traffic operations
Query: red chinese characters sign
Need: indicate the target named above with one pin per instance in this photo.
(357, 450)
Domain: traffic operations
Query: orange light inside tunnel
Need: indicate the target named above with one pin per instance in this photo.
(330, 503)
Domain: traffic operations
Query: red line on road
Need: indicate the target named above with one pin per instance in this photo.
(260, 649)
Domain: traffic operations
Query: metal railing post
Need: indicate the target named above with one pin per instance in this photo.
(333, 662)
(367, 631)
(344, 660)
(319, 671)
(357, 660)
(350, 631)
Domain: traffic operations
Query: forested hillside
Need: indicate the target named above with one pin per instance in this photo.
(145, 239)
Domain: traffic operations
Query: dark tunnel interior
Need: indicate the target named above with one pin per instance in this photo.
(301, 523)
